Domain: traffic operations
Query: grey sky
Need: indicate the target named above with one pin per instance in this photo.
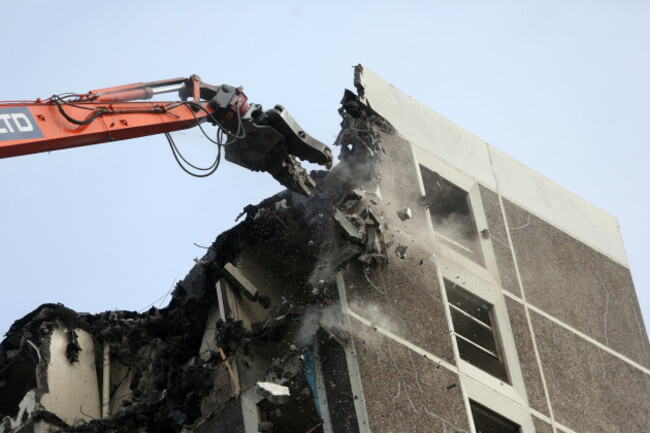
(561, 87)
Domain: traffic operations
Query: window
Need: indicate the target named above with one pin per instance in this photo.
(451, 215)
(473, 328)
(336, 385)
(486, 421)
(298, 414)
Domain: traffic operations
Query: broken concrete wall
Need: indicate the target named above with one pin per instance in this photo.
(279, 344)
(120, 386)
(61, 376)
(258, 299)
(398, 307)
(72, 389)
(152, 358)
(558, 260)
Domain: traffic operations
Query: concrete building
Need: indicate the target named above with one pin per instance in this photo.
(430, 284)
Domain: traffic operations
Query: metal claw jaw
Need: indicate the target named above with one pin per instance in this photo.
(271, 141)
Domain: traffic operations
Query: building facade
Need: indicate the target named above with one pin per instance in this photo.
(521, 294)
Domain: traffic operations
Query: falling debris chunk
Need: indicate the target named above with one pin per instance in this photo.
(360, 226)
(273, 392)
(377, 193)
(405, 214)
(351, 232)
(400, 251)
(238, 280)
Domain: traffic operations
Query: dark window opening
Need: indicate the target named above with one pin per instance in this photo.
(487, 421)
(336, 376)
(16, 379)
(298, 414)
(301, 411)
(451, 215)
(473, 323)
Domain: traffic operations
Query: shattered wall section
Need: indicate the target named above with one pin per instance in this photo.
(397, 304)
(151, 354)
(72, 390)
(49, 364)
(557, 261)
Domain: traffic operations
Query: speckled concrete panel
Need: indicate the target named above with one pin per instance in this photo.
(493, 213)
(404, 297)
(499, 238)
(579, 286)
(400, 188)
(557, 205)
(404, 391)
(591, 390)
(542, 426)
(527, 359)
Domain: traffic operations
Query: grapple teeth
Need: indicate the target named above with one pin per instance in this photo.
(272, 142)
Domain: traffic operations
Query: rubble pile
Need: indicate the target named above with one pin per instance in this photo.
(173, 369)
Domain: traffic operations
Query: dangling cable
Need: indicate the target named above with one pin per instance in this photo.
(221, 131)
(177, 151)
(178, 157)
(61, 100)
(239, 135)
(95, 113)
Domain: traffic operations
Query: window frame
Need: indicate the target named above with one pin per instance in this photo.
(474, 404)
(472, 246)
(488, 270)
(507, 399)
(497, 403)
(491, 294)
(493, 327)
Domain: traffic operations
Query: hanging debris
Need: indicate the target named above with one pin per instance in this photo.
(359, 224)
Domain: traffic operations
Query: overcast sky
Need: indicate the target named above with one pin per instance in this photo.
(561, 87)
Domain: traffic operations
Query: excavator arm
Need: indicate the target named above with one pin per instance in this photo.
(255, 139)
